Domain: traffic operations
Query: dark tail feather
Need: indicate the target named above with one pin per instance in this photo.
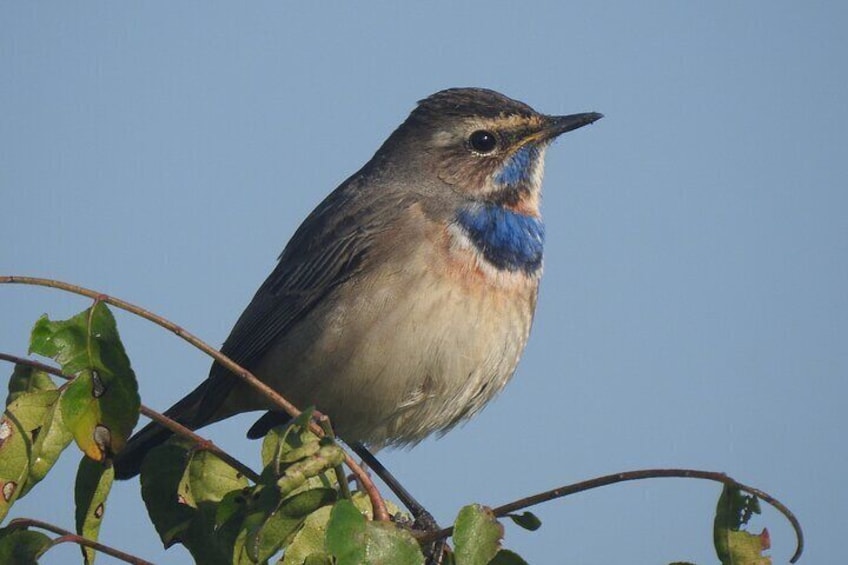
(264, 424)
(127, 463)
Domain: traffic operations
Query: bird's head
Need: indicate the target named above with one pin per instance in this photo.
(486, 146)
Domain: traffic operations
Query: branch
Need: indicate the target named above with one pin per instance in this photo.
(160, 419)
(377, 503)
(66, 536)
(634, 476)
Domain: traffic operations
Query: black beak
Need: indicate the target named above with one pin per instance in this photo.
(558, 125)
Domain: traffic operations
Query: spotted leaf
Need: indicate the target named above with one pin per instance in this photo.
(101, 405)
(94, 481)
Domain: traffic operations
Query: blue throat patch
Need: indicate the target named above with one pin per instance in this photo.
(507, 239)
(517, 169)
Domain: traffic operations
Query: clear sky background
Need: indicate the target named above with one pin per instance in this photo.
(693, 311)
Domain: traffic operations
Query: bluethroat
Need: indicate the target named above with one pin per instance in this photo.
(403, 302)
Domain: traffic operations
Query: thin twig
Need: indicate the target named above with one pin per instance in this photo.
(160, 419)
(206, 444)
(66, 536)
(639, 475)
(35, 365)
(365, 482)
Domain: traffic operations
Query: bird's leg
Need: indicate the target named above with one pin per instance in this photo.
(423, 519)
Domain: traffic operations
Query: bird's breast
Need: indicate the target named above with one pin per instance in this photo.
(421, 341)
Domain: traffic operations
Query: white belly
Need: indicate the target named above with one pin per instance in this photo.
(399, 355)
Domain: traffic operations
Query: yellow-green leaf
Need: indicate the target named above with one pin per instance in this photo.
(346, 534)
(476, 535)
(279, 523)
(733, 545)
(353, 540)
(26, 378)
(35, 399)
(21, 421)
(309, 539)
(94, 481)
(101, 405)
(289, 443)
(14, 461)
(50, 441)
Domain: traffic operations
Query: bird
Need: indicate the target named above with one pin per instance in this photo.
(402, 304)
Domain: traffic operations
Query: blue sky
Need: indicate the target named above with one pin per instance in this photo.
(693, 311)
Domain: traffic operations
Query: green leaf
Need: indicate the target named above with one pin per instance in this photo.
(62, 341)
(733, 545)
(206, 482)
(277, 527)
(346, 534)
(208, 479)
(305, 503)
(390, 544)
(185, 490)
(296, 461)
(161, 474)
(507, 557)
(262, 521)
(289, 443)
(307, 543)
(232, 507)
(264, 530)
(256, 505)
(319, 558)
(309, 539)
(14, 461)
(51, 440)
(354, 541)
(101, 405)
(31, 408)
(94, 481)
(22, 547)
(35, 399)
(526, 520)
(26, 378)
(476, 535)
(22, 420)
(205, 544)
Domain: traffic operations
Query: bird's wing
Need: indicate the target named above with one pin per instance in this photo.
(329, 248)
(290, 292)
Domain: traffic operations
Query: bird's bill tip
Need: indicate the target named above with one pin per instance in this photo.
(557, 125)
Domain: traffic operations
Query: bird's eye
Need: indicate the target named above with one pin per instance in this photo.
(483, 141)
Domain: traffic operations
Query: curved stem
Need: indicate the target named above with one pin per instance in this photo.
(379, 506)
(159, 418)
(66, 536)
(206, 444)
(639, 475)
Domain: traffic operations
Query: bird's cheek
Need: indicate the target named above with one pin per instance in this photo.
(467, 176)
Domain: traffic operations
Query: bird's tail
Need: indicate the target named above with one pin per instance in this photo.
(127, 463)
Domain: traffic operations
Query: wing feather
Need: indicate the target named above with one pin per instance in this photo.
(331, 246)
